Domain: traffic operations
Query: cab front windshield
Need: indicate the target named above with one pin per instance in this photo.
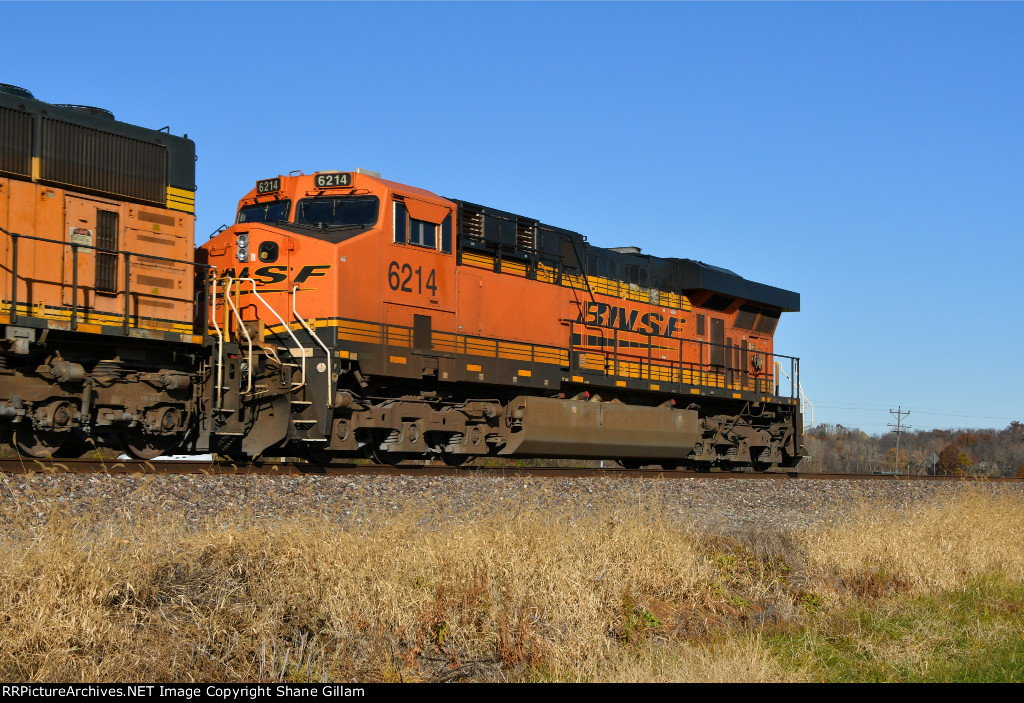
(340, 211)
(273, 211)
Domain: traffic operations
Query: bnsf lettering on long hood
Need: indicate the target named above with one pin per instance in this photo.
(627, 320)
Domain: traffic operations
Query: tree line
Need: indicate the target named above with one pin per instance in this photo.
(960, 452)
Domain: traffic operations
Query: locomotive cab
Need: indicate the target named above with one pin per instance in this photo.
(336, 245)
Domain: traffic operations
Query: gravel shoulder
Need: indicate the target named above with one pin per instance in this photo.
(717, 505)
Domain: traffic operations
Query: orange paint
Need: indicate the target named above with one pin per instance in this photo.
(368, 277)
(161, 292)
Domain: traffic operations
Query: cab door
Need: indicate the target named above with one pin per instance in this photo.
(420, 264)
(717, 353)
(421, 270)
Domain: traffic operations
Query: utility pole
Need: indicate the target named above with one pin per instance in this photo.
(900, 429)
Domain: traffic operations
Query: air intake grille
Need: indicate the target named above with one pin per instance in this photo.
(15, 142)
(472, 223)
(107, 163)
(525, 238)
(106, 238)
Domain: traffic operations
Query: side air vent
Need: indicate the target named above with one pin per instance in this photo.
(525, 234)
(471, 223)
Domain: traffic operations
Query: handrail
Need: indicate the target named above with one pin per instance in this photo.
(231, 309)
(295, 312)
(701, 371)
(242, 329)
(102, 250)
(220, 345)
(804, 400)
(75, 247)
(287, 327)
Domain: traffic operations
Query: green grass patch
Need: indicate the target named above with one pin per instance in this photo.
(975, 634)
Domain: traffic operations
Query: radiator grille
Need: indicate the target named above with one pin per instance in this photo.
(15, 142)
(472, 223)
(108, 163)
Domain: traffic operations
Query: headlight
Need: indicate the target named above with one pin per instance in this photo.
(242, 243)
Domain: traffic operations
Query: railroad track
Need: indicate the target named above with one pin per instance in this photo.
(287, 467)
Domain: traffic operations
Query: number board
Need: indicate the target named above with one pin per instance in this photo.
(268, 186)
(333, 180)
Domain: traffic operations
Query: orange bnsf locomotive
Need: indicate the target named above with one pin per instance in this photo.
(398, 323)
(96, 281)
(346, 315)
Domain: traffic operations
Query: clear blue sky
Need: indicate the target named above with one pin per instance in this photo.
(866, 155)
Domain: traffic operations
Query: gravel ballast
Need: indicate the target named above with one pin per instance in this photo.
(719, 505)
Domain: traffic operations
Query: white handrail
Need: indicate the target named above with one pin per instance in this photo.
(242, 329)
(804, 401)
(295, 312)
(229, 283)
(287, 328)
(220, 344)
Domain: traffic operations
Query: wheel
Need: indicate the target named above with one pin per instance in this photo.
(450, 459)
(146, 446)
(75, 447)
(755, 460)
(669, 465)
(38, 444)
(378, 456)
(631, 464)
(373, 454)
(315, 453)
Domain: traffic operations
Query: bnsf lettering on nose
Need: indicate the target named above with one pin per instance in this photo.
(266, 275)
(650, 323)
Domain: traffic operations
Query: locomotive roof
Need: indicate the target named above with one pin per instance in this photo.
(180, 150)
(696, 275)
(692, 276)
(685, 275)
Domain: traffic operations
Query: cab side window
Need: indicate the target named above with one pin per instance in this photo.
(446, 235)
(421, 233)
(401, 222)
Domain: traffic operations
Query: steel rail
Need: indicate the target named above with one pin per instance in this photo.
(290, 467)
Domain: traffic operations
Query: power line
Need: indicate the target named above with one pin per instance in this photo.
(864, 407)
(900, 429)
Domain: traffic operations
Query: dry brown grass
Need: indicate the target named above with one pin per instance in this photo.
(505, 593)
(936, 545)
